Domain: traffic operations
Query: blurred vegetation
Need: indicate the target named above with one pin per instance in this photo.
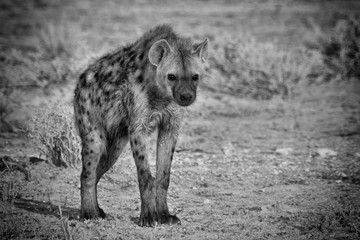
(9, 101)
(339, 47)
(246, 67)
(46, 54)
(47, 65)
(341, 51)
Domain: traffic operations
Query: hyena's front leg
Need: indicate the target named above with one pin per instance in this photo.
(146, 181)
(167, 138)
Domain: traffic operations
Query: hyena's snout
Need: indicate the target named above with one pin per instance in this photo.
(185, 97)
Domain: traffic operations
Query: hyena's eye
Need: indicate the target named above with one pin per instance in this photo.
(171, 77)
(195, 77)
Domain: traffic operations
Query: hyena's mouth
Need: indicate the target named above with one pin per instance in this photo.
(184, 103)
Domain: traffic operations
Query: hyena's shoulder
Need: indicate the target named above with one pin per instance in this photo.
(110, 68)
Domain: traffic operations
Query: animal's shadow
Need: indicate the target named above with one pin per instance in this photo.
(46, 208)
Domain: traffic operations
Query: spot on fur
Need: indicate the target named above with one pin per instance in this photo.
(136, 153)
(140, 79)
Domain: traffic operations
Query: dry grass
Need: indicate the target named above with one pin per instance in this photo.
(9, 101)
(14, 229)
(53, 132)
(342, 51)
(339, 46)
(55, 41)
(340, 217)
(246, 67)
(11, 228)
(65, 226)
(9, 192)
(50, 62)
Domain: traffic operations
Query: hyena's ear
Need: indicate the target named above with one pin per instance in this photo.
(158, 51)
(201, 49)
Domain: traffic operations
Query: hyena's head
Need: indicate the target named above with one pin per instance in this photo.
(179, 68)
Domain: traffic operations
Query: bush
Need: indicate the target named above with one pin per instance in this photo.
(56, 46)
(52, 130)
(243, 66)
(10, 96)
(54, 41)
(45, 60)
(9, 100)
(341, 48)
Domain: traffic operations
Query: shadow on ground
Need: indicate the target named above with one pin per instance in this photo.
(46, 208)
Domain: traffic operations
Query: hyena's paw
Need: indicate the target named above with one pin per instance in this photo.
(92, 213)
(169, 219)
(147, 219)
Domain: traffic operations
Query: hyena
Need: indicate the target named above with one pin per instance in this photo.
(126, 95)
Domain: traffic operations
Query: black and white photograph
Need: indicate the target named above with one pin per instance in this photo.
(193, 119)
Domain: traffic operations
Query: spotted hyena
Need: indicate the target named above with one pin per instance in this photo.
(125, 96)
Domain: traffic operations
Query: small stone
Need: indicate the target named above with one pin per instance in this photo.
(259, 190)
(284, 151)
(228, 149)
(277, 172)
(343, 175)
(207, 201)
(265, 209)
(325, 152)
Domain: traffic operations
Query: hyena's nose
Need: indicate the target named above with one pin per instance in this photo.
(186, 97)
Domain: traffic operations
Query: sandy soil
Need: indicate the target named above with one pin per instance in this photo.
(243, 169)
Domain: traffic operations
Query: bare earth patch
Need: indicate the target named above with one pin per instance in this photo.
(228, 182)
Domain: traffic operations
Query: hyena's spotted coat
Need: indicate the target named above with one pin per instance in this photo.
(125, 96)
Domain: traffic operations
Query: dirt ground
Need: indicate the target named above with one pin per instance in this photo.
(243, 168)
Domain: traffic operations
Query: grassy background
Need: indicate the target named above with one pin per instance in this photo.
(259, 48)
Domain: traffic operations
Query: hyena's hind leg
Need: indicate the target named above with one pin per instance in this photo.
(93, 148)
(114, 149)
(99, 158)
